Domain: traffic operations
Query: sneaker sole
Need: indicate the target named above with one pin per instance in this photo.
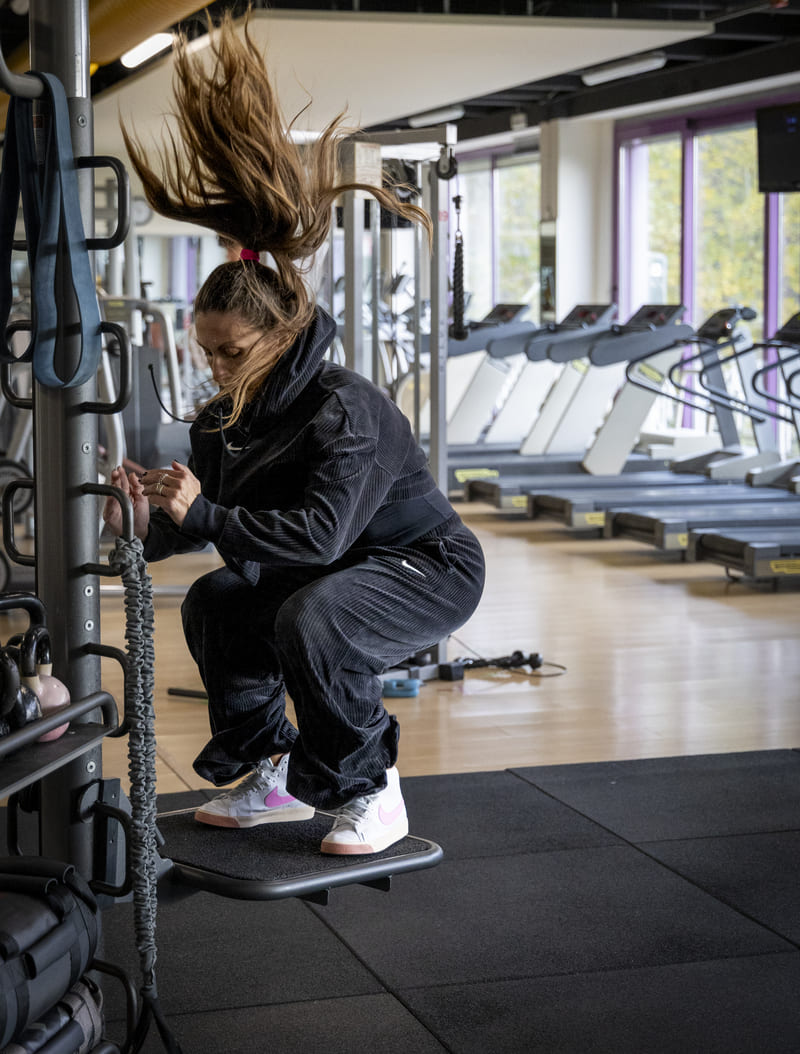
(283, 816)
(394, 834)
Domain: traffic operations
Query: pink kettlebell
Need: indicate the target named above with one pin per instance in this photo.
(36, 667)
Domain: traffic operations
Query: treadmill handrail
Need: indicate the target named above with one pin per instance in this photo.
(727, 401)
(768, 367)
(718, 396)
(772, 414)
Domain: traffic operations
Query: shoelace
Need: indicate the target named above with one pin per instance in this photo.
(247, 784)
(355, 810)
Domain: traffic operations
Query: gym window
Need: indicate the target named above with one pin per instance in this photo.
(500, 225)
(693, 227)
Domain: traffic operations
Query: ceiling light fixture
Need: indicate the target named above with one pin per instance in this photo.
(611, 71)
(442, 116)
(146, 50)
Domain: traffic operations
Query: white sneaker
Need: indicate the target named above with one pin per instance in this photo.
(370, 823)
(261, 797)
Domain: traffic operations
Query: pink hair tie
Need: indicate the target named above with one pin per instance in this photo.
(248, 254)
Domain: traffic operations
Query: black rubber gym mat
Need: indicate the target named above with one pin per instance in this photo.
(744, 1005)
(649, 799)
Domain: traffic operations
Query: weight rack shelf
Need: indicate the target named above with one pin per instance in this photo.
(21, 767)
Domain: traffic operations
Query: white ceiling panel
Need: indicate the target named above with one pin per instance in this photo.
(384, 67)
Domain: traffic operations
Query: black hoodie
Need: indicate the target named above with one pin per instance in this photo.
(320, 463)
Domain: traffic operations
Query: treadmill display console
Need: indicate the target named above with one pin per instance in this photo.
(584, 315)
(500, 314)
(651, 315)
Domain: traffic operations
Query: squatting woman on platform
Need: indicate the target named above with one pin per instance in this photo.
(341, 556)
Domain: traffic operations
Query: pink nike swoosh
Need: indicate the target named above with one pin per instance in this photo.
(275, 799)
(388, 816)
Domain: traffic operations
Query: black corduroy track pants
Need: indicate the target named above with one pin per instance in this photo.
(322, 634)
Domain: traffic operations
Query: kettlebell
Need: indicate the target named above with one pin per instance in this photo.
(20, 704)
(36, 666)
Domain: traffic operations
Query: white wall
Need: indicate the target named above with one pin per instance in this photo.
(577, 192)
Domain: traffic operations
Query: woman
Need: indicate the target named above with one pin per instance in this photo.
(341, 556)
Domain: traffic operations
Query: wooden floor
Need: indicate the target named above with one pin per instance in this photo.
(662, 658)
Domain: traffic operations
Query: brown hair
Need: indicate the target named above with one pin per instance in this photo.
(233, 167)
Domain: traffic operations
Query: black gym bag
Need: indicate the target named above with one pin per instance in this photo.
(49, 931)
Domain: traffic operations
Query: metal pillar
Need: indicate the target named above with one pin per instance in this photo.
(354, 350)
(65, 457)
(417, 317)
(438, 344)
(375, 287)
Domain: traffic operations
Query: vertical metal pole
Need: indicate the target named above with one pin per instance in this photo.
(417, 317)
(438, 367)
(354, 352)
(375, 287)
(439, 340)
(65, 445)
(116, 258)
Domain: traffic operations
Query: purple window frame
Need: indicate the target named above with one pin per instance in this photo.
(689, 126)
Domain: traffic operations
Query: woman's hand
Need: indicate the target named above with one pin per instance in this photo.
(131, 485)
(172, 489)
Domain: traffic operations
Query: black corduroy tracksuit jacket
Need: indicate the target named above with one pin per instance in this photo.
(321, 463)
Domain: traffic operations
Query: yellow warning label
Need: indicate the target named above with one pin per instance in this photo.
(785, 567)
(682, 540)
(465, 474)
(594, 519)
(519, 501)
(650, 373)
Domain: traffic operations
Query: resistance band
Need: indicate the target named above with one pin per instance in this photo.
(128, 560)
(56, 242)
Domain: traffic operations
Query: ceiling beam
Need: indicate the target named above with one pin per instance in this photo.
(769, 61)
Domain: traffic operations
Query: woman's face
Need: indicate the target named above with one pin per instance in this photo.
(226, 340)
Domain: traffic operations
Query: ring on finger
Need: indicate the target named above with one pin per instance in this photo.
(161, 478)
(159, 488)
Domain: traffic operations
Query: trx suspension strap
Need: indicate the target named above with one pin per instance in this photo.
(55, 238)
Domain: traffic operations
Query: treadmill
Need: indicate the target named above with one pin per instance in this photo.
(668, 527)
(475, 381)
(652, 330)
(766, 552)
(762, 553)
(585, 508)
(489, 460)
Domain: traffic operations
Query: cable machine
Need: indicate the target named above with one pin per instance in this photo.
(441, 139)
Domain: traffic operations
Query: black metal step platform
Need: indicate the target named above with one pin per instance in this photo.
(276, 860)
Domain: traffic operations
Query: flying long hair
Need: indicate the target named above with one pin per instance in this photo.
(231, 165)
